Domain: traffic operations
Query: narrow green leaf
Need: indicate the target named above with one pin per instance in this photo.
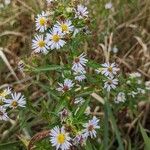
(82, 109)
(47, 68)
(112, 118)
(106, 127)
(146, 138)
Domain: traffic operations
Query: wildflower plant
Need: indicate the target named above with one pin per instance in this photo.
(60, 32)
(72, 84)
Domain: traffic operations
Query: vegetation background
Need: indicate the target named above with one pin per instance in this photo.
(129, 24)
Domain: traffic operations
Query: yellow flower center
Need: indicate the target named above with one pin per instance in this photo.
(41, 43)
(64, 27)
(61, 138)
(110, 69)
(42, 21)
(56, 38)
(3, 94)
(14, 103)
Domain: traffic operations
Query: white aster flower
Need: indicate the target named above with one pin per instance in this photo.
(120, 98)
(79, 100)
(108, 5)
(79, 64)
(115, 49)
(109, 70)
(81, 12)
(141, 91)
(5, 93)
(39, 44)
(64, 114)
(66, 86)
(110, 84)
(17, 100)
(80, 77)
(54, 39)
(41, 21)
(49, 1)
(133, 94)
(90, 127)
(147, 85)
(3, 114)
(80, 138)
(60, 139)
(64, 26)
(134, 75)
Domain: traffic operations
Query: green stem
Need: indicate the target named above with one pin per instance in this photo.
(106, 128)
(112, 118)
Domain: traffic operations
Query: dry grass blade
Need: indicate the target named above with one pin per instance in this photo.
(39, 136)
(2, 55)
(26, 6)
(144, 46)
(98, 98)
(11, 33)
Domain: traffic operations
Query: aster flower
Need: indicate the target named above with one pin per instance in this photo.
(66, 86)
(54, 39)
(64, 26)
(60, 139)
(80, 138)
(81, 12)
(147, 85)
(115, 50)
(141, 91)
(134, 75)
(39, 44)
(41, 21)
(110, 83)
(5, 93)
(90, 127)
(3, 114)
(79, 63)
(133, 94)
(120, 98)
(64, 114)
(109, 69)
(108, 5)
(50, 1)
(80, 76)
(17, 100)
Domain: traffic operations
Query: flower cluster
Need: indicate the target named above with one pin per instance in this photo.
(10, 100)
(61, 139)
(55, 34)
(59, 27)
(109, 71)
(79, 72)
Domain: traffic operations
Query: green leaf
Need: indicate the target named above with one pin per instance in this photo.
(106, 127)
(47, 68)
(82, 109)
(113, 121)
(89, 145)
(146, 138)
(10, 146)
